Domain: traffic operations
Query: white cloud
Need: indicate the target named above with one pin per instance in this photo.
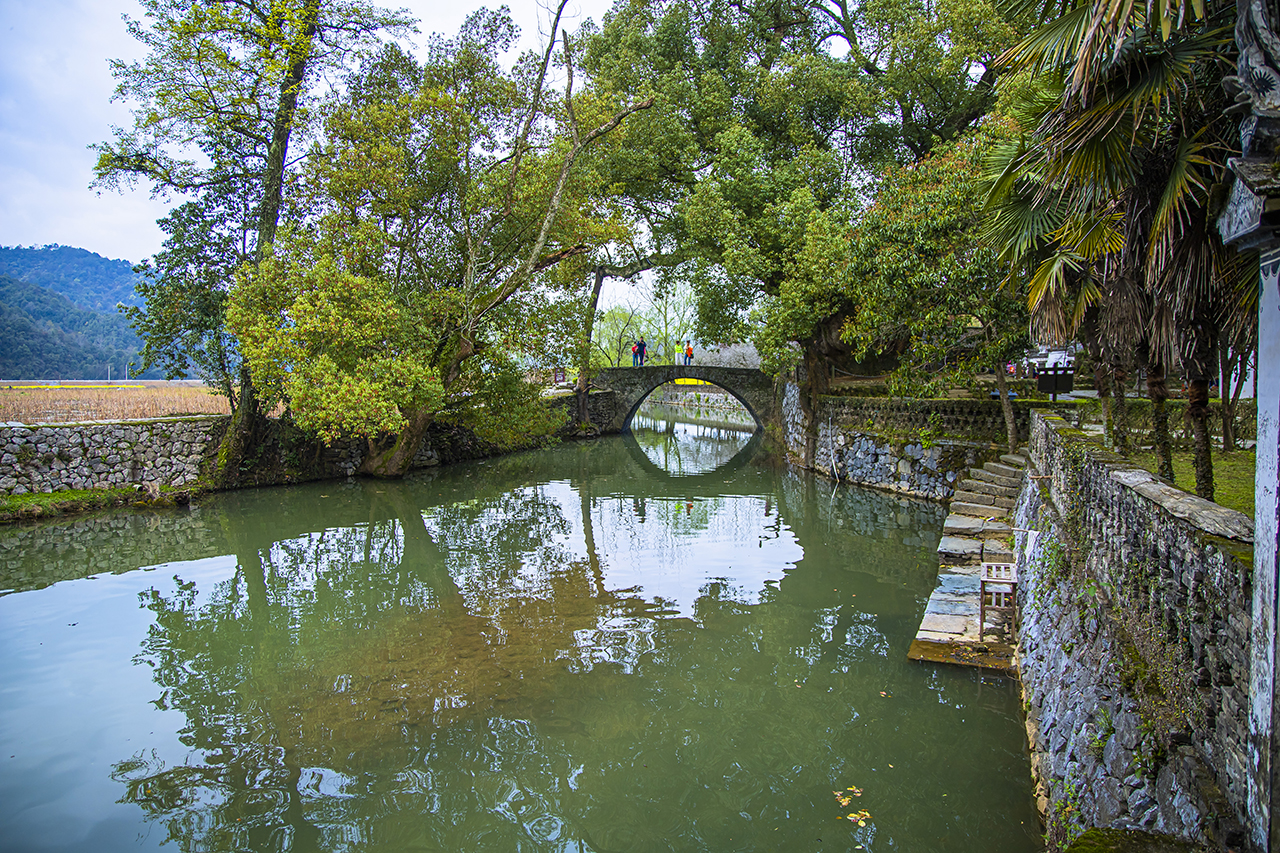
(55, 91)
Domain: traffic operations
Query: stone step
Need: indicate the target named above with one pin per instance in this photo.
(960, 549)
(1015, 460)
(967, 526)
(978, 510)
(983, 499)
(1003, 470)
(983, 487)
(996, 479)
(996, 551)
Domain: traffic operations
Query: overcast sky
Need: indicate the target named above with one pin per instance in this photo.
(55, 91)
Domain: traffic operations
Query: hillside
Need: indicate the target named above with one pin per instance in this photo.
(85, 278)
(46, 336)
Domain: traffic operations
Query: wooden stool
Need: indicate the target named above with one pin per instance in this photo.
(1000, 582)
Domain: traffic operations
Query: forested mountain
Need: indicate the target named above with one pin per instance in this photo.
(46, 336)
(86, 278)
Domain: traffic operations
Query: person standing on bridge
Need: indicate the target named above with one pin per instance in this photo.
(640, 349)
(688, 352)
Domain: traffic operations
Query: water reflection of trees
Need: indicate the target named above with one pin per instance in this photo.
(339, 647)
(453, 672)
(325, 682)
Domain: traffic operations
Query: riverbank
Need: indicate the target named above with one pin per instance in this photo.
(66, 468)
(43, 505)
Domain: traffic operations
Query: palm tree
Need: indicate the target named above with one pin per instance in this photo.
(1105, 206)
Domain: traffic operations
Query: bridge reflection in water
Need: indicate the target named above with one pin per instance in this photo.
(690, 439)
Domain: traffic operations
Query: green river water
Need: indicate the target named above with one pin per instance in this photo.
(643, 643)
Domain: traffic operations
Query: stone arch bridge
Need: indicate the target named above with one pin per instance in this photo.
(630, 385)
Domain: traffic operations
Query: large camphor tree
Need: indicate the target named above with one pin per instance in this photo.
(922, 279)
(451, 207)
(216, 103)
(771, 124)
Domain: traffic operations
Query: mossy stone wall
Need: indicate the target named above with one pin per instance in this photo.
(1133, 647)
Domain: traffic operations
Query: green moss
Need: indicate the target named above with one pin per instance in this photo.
(72, 501)
(1129, 841)
(1241, 552)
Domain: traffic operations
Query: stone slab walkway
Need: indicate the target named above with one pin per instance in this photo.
(974, 532)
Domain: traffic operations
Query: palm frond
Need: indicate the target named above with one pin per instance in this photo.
(1092, 236)
(1185, 192)
(1087, 296)
(1053, 45)
(1050, 277)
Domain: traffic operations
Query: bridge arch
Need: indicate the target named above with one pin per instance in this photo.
(631, 385)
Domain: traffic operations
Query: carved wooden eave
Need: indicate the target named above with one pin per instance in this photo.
(1251, 219)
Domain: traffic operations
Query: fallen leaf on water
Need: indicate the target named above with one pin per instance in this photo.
(859, 817)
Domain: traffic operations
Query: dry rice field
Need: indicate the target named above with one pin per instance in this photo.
(45, 402)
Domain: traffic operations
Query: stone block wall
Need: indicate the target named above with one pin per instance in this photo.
(851, 449)
(171, 451)
(104, 454)
(1133, 646)
(972, 420)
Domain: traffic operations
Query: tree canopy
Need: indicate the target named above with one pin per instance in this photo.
(445, 197)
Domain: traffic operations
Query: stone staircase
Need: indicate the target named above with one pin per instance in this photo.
(977, 530)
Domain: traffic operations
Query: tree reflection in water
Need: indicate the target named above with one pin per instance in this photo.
(344, 648)
(453, 671)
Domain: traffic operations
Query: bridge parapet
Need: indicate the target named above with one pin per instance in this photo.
(752, 388)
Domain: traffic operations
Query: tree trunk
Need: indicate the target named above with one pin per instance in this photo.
(815, 385)
(584, 354)
(242, 434)
(1006, 406)
(282, 126)
(1228, 408)
(1102, 381)
(390, 457)
(1201, 361)
(1120, 414)
(1234, 364)
(244, 423)
(1092, 341)
(1198, 411)
(1158, 392)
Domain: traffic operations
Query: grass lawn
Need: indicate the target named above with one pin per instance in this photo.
(1232, 475)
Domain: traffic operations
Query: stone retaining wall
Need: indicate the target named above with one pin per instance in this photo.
(971, 420)
(104, 454)
(174, 451)
(851, 447)
(1133, 646)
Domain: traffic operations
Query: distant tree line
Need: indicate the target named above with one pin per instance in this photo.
(86, 278)
(46, 336)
